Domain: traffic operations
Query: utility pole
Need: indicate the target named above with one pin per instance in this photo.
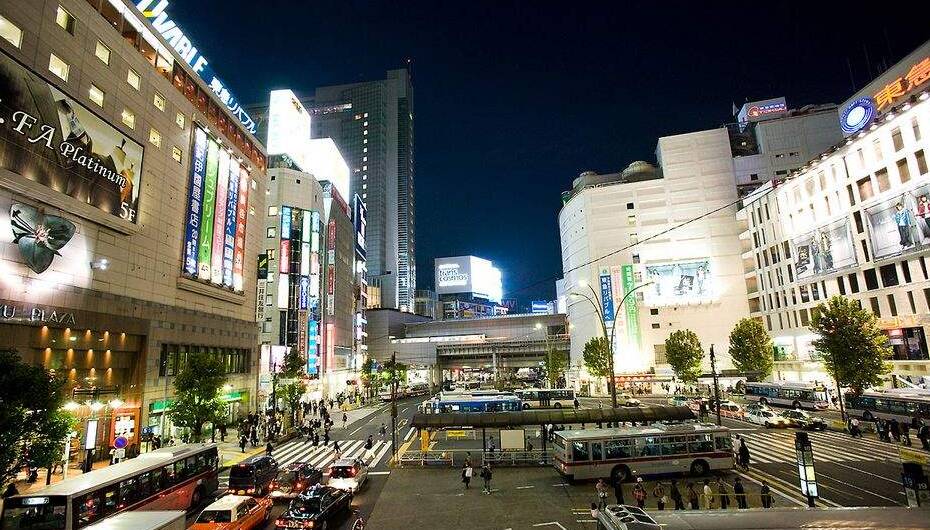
(394, 405)
(713, 371)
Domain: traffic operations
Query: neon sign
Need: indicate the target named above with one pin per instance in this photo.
(857, 115)
(918, 74)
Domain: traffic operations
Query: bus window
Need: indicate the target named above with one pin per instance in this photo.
(674, 445)
(596, 453)
(724, 443)
(166, 478)
(87, 509)
(614, 449)
(579, 451)
(129, 491)
(649, 446)
(110, 499)
(29, 513)
(702, 443)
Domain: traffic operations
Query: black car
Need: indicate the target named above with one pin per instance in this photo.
(804, 420)
(294, 479)
(252, 476)
(315, 508)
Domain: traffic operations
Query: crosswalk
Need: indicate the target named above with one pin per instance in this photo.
(777, 446)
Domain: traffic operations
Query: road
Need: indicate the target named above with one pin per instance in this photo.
(351, 442)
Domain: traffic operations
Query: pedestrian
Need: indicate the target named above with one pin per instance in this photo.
(491, 446)
(895, 430)
(618, 491)
(693, 496)
(336, 451)
(675, 494)
(345, 420)
(854, 429)
(601, 490)
(575, 402)
(369, 444)
(486, 476)
(326, 437)
(924, 435)
(743, 454)
(467, 472)
(639, 493)
(906, 433)
(709, 503)
(659, 493)
(724, 491)
(242, 442)
(316, 438)
(383, 432)
(223, 432)
(268, 449)
(766, 494)
(740, 493)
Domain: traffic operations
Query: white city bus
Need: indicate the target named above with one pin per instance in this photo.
(902, 405)
(547, 398)
(171, 478)
(625, 452)
(795, 395)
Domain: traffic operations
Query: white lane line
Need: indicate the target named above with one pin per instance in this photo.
(847, 484)
(524, 487)
(776, 490)
(356, 430)
(898, 482)
(379, 472)
(378, 458)
(409, 433)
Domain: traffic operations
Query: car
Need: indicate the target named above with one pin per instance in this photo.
(624, 517)
(680, 401)
(730, 409)
(767, 418)
(253, 476)
(315, 508)
(294, 479)
(234, 512)
(627, 400)
(348, 474)
(804, 420)
(754, 408)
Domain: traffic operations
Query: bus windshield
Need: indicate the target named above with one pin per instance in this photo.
(35, 513)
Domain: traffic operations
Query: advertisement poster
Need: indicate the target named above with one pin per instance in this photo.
(900, 223)
(607, 295)
(679, 283)
(55, 141)
(195, 202)
(219, 219)
(630, 309)
(206, 213)
(360, 221)
(229, 231)
(242, 211)
(826, 249)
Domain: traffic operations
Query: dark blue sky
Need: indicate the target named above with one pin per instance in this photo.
(514, 99)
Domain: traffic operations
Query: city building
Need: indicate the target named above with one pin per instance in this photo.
(468, 287)
(852, 221)
(372, 124)
(616, 238)
(425, 303)
(128, 182)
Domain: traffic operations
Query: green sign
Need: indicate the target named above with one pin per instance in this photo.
(207, 211)
(162, 405)
(630, 308)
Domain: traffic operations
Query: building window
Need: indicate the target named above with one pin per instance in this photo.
(11, 32)
(915, 126)
(897, 140)
(892, 306)
(882, 177)
(179, 119)
(155, 137)
(903, 173)
(871, 279)
(129, 118)
(159, 101)
(840, 285)
(176, 154)
(634, 237)
(132, 77)
(631, 219)
(271, 231)
(64, 19)
(272, 211)
(865, 189)
(857, 217)
(873, 301)
(754, 177)
(655, 325)
(58, 67)
(96, 95)
(889, 275)
(102, 53)
(865, 250)
(910, 300)
(852, 197)
(906, 271)
(921, 162)
(635, 258)
(630, 206)
(853, 283)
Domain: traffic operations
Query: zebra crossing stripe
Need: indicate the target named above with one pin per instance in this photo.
(778, 447)
(381, 454)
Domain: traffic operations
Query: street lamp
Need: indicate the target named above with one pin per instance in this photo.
(805, 456)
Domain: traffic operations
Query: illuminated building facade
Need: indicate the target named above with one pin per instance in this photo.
(468, 287)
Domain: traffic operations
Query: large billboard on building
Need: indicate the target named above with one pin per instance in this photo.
(762, 110)
(468, 274)
(824, 250)
(55, 141)
(360, 221)
(900, 223)
(679, 283)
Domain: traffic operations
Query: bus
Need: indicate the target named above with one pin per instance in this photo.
(795, 395)
(171, 478)
(415, 389)
(547, 398)
(625, 452)
(901, 405)
(491, 402)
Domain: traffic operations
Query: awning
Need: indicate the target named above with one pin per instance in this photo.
(557, 416)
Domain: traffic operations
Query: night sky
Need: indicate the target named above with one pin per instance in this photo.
(514, 99)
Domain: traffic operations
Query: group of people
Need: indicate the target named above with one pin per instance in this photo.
(253, 426)
(709, 497)
(468, 472)
(893, 430)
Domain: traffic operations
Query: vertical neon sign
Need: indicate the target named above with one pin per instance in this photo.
(195, 202)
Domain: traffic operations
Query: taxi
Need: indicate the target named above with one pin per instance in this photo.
(234, 512)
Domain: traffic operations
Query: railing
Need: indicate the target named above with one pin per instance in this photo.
(495, 458)
(536, 457)
(426, 458)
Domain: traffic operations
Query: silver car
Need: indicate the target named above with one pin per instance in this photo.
(623, 517)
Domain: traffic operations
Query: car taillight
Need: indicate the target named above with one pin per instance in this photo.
(352, 472)
(250, 490)
(280, 522)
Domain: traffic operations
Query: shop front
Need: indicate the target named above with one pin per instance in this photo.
(235, 401)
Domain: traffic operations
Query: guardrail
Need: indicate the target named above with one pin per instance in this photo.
(517, 458)
(426, 458)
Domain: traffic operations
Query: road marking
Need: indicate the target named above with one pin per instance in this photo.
(410, 433)
(525, 487)
(551, 523)
(378, 458)
(778, 491)
(898, 482)
(379, 472)
(356, 430)
(847, 484)
(563, 485)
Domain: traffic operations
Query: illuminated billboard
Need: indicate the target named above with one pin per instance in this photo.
(55, 141)
(360, 221)
(824, 250)
(679, 283)
(217, 207)
(468, 275)
(900, 223)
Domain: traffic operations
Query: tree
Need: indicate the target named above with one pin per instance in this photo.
(391, 371)
(751, 347)
(33, 428)
(368, 375)
(554, 366)
(851, 344)
(291, 392)
(596, 356)
(294, 364)
(684, 353)
(197, 388)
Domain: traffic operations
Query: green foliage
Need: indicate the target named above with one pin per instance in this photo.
(33, 427)
(596, 355)
(851, 343)
(291, 393)
(294, 363)
(684, 353)
(197, 388)
(391, 371)
(554, 365)
(751, 347)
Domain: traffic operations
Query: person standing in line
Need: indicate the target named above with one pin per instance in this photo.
(709, 503)
(740, 493)
(486, 476)
(693, 497)
(601, 490)
(905, 433)
(675, 494)
(659, 493)
(639, 493)
(766, 493)
(466, 474)
(743, 453)
(618, 491)
(724, 492)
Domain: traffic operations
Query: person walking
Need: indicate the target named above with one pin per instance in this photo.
(223, 432)
(724, 491)
(740, 493)
(659, 493)
(924, 434)
(709, 503)
(618, 491)
(693, 497)
(467, 472)
(743, 454)
(895, 430)
(369, 445)
(675, 494)
(906, 433)
(269, 448)
(576, 403)
(383, 431)
(601, 490)
(326, 437)
(336, 451)
(345, 420)
(639, 493)
(486, 476)
(242, 442)
(766, 494)
(854, 430)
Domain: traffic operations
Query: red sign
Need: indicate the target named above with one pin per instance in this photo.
(284, 257)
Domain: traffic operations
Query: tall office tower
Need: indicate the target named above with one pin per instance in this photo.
(372, 124)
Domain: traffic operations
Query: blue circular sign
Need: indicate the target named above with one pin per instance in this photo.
(857, 115)
(120, 442)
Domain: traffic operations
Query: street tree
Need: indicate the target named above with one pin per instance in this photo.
(33, 428)
(291, 392)
(851, 344)
(392, 371)
(684, 353)
(751, 347)
(197, 390)
(554, 366)
(294, 363)
(596, 355)
(367, 376)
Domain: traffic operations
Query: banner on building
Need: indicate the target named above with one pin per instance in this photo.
(630, 308)
(824, 250)
(679, 283)
(260, 295)
(607, 295)
(900, 223)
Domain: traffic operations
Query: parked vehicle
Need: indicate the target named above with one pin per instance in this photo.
(294, 479)
(766, 417)
(681, 401)
(348, 474)
(253, 476)
(234, 512)
(627, 400)
(804, 420)
(315, 508)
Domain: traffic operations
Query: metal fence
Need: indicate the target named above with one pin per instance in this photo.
(517, 458)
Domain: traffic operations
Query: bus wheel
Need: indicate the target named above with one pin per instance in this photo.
(796, 404)
(619, 474)
(699, 468)
(526, 406)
